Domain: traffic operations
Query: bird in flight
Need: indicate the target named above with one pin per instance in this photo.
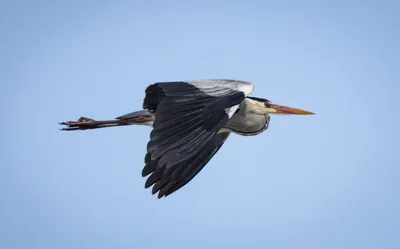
(191, 120)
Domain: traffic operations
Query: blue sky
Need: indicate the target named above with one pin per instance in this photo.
(325, 181)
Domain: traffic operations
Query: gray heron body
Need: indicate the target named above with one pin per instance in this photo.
(191, 120)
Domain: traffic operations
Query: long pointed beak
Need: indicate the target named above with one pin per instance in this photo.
(279, 109)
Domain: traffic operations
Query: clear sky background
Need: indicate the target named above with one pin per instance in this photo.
(325, 181)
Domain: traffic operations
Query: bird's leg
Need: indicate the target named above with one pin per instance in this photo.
(88, 123)
(83, 123)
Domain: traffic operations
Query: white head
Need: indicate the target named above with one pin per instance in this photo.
(265, 107)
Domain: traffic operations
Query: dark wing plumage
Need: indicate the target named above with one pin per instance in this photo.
(184, 138)
(172, 179)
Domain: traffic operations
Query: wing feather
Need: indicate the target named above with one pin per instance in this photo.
(186, 174)
(185, 135)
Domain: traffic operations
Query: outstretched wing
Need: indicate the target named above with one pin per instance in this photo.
(166, 181)
(184, 138)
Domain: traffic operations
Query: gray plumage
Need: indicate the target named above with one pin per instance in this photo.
(191, 121)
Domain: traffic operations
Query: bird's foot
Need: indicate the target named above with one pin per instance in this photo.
(82, 124)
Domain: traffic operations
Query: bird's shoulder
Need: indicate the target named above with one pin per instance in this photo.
(227, 84)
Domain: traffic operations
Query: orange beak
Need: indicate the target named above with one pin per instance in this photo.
(284, 110)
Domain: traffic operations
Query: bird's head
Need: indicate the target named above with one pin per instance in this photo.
(266, 107)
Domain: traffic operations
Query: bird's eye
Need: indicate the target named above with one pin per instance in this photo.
(268, 104)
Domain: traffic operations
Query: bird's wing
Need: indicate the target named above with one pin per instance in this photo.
(174, 178)
(184, 137)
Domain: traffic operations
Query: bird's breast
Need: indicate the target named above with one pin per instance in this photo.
(248, 125)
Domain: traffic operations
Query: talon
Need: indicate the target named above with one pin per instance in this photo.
(69, 129)
(73, 125)
(86, 120)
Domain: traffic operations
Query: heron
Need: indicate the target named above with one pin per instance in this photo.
(190, 122)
